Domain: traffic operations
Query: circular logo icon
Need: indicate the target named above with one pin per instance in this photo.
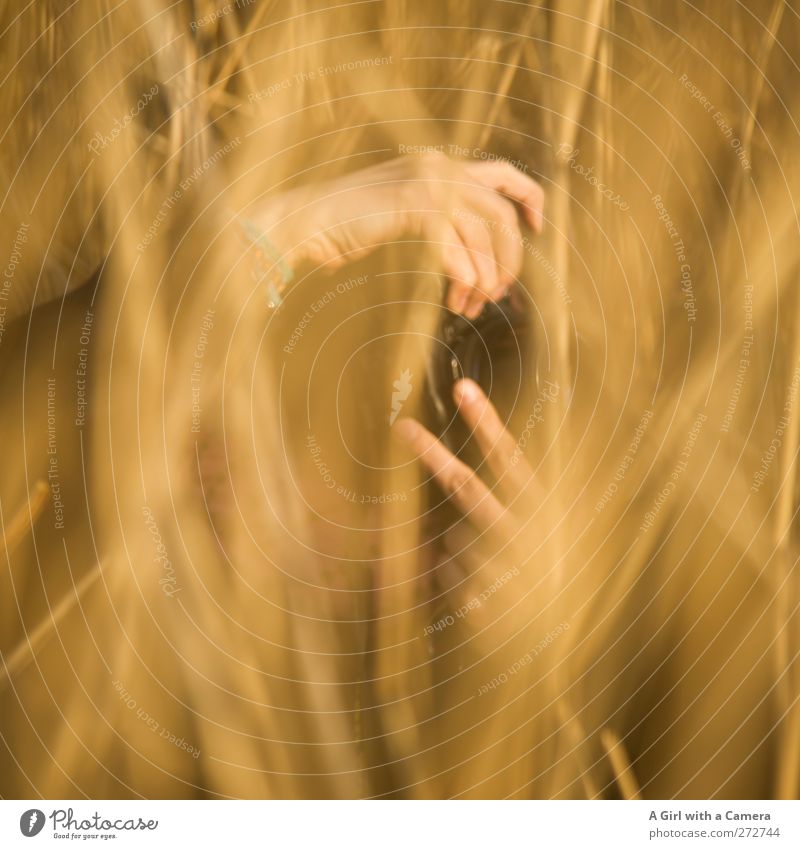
(31, 822)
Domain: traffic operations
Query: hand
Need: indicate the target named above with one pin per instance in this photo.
(466, 211)
(488, 571)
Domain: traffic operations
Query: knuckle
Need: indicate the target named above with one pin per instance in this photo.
(458, 478)
(469, 488)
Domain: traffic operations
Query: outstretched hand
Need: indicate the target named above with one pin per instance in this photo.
(486, 552)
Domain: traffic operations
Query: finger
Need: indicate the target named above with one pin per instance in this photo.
(469, 547)
(506, 236)
(502, 453)
(478, 241)
(457, 480)
(456, 262)
(467, 595)
(504, 177)
(449, 575)
(475, 304)
(460, 590)
(483, 560)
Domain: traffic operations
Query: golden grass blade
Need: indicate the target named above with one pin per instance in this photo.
(577, 739)
(621, 765)
(24, 519)
(237, 50)
(508, 77)
(788, 779)
(25, 651)
(767, 45)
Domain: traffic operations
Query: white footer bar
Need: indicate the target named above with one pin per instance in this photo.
(405, 825)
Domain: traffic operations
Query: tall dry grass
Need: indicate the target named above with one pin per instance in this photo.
(284, 644)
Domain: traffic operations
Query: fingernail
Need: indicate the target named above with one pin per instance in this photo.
(467, 275)
(466, 391)
(502, 290)
(405, 430)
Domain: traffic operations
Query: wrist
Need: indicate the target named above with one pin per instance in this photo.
(278, 219)
(271, 249)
